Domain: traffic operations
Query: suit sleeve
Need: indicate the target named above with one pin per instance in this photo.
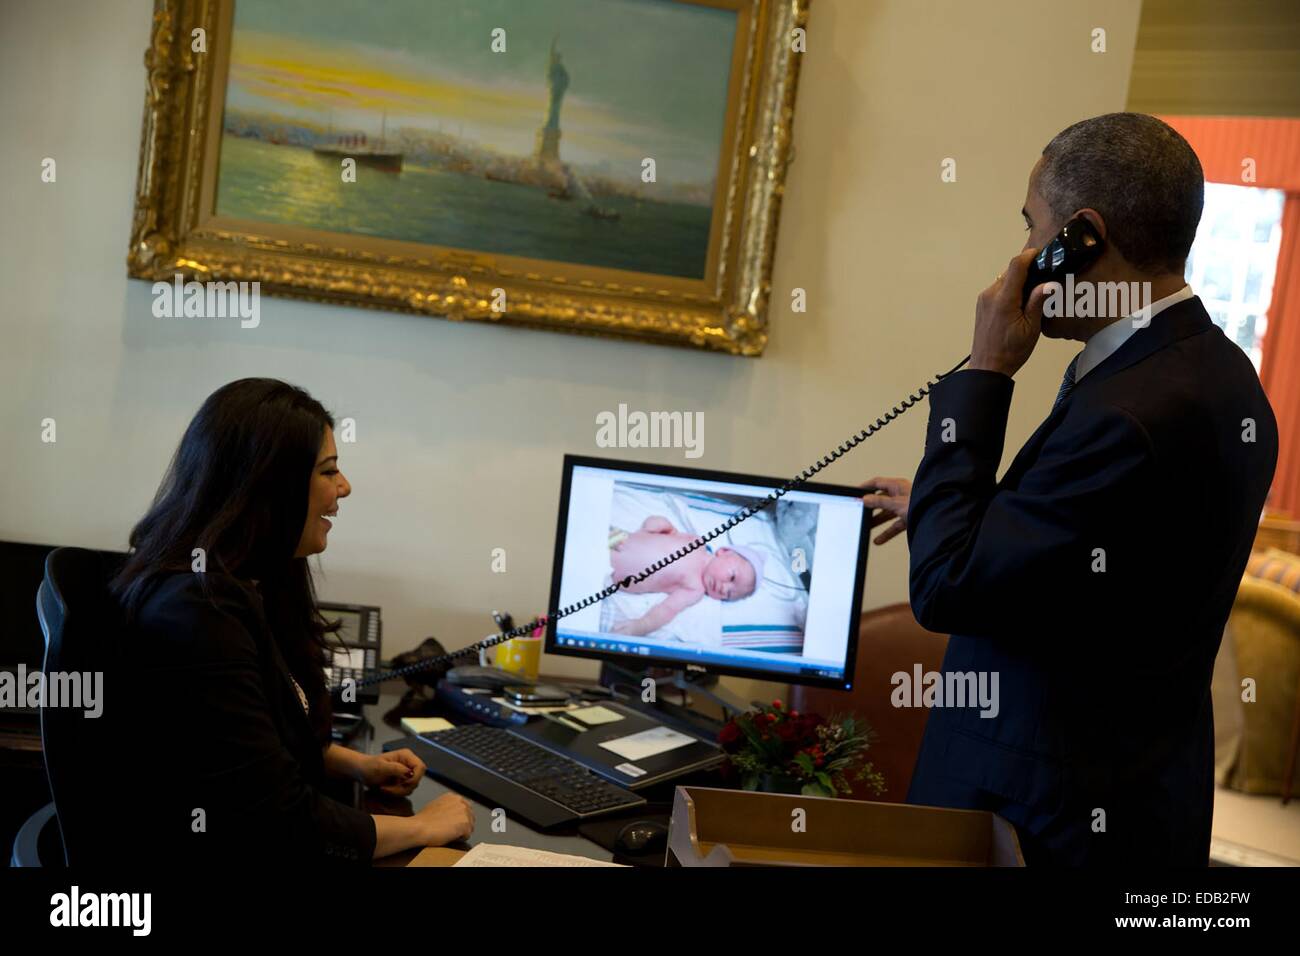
(246, 770)
(1046, 559)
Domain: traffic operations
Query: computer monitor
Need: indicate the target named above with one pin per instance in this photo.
(775, 597)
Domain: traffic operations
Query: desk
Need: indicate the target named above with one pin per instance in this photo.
(517, 832)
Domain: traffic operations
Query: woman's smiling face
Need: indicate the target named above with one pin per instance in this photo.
(327, 486)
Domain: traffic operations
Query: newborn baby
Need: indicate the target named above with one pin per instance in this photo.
(727, 575)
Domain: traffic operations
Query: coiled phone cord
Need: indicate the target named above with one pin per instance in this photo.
(747, 512)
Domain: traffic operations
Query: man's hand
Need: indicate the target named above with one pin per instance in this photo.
(1005, 335)
(891, 504)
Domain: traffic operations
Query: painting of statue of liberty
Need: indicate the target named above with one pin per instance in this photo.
(587, 132)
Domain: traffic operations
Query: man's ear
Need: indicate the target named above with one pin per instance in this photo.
(1094, 220)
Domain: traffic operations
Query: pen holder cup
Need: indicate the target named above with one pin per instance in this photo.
(522, 656)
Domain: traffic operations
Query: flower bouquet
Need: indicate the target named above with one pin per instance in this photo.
(780, 751)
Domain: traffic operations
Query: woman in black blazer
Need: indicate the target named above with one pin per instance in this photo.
(226, 651)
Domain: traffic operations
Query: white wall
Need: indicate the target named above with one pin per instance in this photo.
(462, 426)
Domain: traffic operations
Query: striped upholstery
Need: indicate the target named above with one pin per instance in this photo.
(1280, 567)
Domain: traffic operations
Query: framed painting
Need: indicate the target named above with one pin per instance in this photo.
(611, 167)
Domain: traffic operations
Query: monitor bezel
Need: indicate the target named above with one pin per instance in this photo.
(552, 646)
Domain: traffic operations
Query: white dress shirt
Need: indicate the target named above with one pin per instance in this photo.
(1104, 343)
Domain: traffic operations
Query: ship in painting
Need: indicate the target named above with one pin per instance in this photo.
(357, 146)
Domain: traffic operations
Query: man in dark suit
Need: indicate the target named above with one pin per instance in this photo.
(1090, 586)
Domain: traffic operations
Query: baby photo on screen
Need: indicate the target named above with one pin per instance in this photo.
(746, 589)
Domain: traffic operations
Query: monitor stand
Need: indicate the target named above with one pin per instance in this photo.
(627, 688)
(731, 704)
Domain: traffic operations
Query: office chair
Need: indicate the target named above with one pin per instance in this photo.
(889, 640)
(35, 843)
(82, 626)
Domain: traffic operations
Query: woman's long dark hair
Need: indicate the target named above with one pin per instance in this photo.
(238, 487)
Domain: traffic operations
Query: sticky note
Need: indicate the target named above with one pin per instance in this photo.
(593, 716)
(425, 725)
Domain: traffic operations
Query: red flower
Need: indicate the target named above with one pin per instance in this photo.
(776, 705)
(729, 735)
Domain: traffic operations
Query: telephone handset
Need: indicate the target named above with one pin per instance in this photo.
(747, 512)
(1071, 250)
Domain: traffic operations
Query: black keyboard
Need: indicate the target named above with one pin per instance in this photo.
(526, 779)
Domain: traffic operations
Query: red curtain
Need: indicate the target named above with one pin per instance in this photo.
(1223, 143)
(1280, 365)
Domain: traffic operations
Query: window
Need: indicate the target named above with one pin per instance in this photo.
(1234, 257)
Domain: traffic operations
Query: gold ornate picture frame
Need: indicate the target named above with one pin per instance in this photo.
(183, 222)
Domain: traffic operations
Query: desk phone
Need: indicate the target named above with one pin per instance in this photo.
(359, 656)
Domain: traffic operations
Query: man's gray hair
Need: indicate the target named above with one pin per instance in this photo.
(1140, 174)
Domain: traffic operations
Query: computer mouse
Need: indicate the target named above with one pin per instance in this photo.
(642, 836)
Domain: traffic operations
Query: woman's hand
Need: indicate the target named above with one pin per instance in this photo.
(446, 820)
(397, 772)
(892, 503)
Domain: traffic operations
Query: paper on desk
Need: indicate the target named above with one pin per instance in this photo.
(494, 854)
(647, 743)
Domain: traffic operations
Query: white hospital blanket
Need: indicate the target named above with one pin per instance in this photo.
(702, 624)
